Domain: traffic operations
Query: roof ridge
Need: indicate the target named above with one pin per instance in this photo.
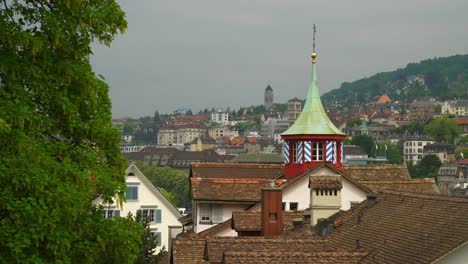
(431, 196)
(417, 180)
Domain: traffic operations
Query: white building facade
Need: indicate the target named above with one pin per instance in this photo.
(413, 148)
(144, 196)
(220, 117)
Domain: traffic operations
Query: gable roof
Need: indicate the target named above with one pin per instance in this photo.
(376, 172)
(132, 168)
(404, 227)
(227, 189)
(427, 185)
(269, 257)
(217, 246)
(236, 170)
(173, 157)
(190, 251)
(325, 183)
(251, 221)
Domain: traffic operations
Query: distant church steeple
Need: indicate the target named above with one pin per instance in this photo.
(313, 138)
(268, 98)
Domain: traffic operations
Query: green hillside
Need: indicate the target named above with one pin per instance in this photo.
(442, 78)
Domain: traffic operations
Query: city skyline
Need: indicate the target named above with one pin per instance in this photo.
(218, 54)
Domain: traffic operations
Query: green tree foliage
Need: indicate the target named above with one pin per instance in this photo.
(58, 150)
(119, 241)
(157, 118)
(442, 129)
(365, 142)
(128, 129)
(353, 123)
(171, 181)
(148, 242)
(392, 152)
(463, 140)
(426, 168)
(282, 108)
(443, 78)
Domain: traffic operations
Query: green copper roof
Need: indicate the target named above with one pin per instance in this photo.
(313, 120)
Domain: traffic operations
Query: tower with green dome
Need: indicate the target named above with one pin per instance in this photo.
(313, 139)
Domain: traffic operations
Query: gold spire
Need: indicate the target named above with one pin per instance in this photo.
(314, 55)
(313, 119)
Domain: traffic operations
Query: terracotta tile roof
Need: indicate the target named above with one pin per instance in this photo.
(463, 161)
(227, 189)
(414, 185)
(251, 221)
(268, 257)
(236, 170)
(325, 183)
(404, 227)
(460, 121)
(173, 157)
(384, 99)
(217, 246)
(188, 251)
(377, 172)
(186, 219)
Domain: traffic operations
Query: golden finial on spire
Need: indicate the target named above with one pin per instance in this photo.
(314, 55)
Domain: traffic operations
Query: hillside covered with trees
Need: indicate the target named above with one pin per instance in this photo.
(441, 78)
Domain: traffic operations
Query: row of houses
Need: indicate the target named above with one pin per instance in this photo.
(315, 209)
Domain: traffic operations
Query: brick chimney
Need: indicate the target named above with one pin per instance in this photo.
(272, 215)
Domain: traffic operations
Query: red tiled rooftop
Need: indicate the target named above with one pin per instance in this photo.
(236, 170)
(225, 189)
(405, 227)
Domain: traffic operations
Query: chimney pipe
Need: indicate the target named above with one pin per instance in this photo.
(358, 245)
(371, 199)
(272, 215)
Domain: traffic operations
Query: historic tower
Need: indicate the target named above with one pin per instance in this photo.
(268, 98)
(313, 138)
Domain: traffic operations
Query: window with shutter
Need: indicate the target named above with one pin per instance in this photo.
(157, 216)
(132, 193)
(205, 213)
(217, 213)
(158, 239)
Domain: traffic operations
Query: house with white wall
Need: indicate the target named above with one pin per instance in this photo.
(144, 196)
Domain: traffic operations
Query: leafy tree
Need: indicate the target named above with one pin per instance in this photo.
(157, 118)
(128, 129)
(189, 112)
(174, 184)
(392, 151)
(442, 129)
(463, 140)
(415, 127)
(365, 142)
(426, 168)
(148, 242)
(280, 107)
(353, 123)
(58, 150)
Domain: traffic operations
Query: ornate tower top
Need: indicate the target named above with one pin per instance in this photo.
(313, 119)
(313, 139)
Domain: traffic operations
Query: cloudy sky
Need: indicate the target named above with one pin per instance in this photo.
(219, 53)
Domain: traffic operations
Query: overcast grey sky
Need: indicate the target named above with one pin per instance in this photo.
(219, 53)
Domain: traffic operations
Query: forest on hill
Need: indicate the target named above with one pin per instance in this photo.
(440, 78)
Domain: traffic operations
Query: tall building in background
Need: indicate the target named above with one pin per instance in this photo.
(294, 109)
(268, 98)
